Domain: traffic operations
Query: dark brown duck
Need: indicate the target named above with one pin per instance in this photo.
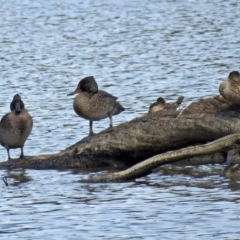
(161, 104)
(15, 126)
(158, 105)
(230, 89)
(93, 104)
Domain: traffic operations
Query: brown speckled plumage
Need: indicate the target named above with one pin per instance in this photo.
(161, 104)
(15, 126)
(157, 106)
(230, 89)
(93, 104)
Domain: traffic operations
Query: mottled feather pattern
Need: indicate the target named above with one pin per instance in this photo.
(97, 106)
(15, 129)
(93, 104)
(230, 89)
(15, 126)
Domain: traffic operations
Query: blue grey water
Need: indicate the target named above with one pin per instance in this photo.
(137, 50)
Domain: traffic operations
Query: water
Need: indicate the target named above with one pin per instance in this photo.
(138, 51)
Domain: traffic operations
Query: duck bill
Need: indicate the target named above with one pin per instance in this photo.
(18, 107)
(75, 92)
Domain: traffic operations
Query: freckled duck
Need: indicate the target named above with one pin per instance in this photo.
(15, 126)
(93, 104)
(230, 89)
(161, 104)
(158, 105)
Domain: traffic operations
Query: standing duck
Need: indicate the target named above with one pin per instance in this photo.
(15, 126)
(230, 89)
(93, 104)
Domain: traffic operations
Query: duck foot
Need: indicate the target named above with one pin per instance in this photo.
(109, 129)
(24, 158)
(88, 138)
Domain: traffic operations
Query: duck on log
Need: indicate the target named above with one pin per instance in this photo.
(168, 135)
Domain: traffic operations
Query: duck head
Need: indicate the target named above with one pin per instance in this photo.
(234, 75)
(161, 101)
(87, 84)
(17, 104)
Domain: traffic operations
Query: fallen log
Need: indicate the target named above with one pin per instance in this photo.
(132, 142)
(145, 167)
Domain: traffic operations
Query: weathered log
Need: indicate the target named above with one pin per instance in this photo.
(145, 167)
(210, 158)
(134, 141)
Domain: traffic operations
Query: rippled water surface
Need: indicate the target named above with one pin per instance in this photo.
(138, 51)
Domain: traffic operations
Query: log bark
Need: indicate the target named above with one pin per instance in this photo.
(132, 142)
(145, 167)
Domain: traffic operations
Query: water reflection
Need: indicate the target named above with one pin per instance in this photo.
(234, 185)
(15, 177)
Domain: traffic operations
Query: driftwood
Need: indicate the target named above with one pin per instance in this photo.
(145, 167)
(144, 137)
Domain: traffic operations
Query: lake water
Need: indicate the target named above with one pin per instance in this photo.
(138, 51)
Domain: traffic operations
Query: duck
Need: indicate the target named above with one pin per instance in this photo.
(93, 104)
(15, 126)
(230, 89)
(158, 105)
(161, 104)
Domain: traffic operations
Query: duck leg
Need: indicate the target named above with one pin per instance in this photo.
(21, 155)
(9, 158)
(110, 119)
(91, 133)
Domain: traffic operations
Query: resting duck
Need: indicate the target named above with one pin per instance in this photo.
(161, 104)
(93, 104)
(157, 106)
(15, 126)
(230, 89)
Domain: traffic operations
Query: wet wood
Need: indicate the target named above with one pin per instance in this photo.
(132, 142)
(145, 167)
